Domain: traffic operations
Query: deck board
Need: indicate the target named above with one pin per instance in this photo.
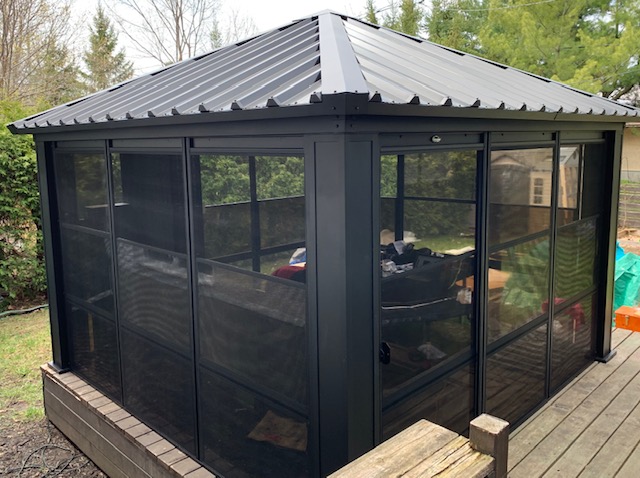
(591, 425)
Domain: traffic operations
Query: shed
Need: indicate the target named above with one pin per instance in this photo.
(280, 253)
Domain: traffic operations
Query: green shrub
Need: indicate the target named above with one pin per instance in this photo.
(22, 274)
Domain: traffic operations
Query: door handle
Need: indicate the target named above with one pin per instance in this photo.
(384, 353)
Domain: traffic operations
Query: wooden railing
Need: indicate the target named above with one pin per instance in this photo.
(426, 450)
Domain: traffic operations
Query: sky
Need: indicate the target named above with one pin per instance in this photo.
(266, 14)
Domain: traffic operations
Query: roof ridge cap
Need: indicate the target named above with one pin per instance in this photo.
(340, 70)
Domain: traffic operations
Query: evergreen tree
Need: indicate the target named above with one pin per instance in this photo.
(370, 14)
(455, 23)
(104, 66)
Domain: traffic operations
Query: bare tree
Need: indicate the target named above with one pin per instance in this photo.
(167, 30)
(237, 27)
(36, 63)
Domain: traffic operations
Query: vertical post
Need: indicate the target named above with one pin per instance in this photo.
(553, 235)
(610, 221)
(344, 285)
(481, 295)
(490, 435)
(399, 205)
(51, 239)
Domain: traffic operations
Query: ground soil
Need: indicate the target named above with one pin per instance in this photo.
(629, 240)
(38, 449)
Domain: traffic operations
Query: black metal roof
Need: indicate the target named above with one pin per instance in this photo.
(326, 54)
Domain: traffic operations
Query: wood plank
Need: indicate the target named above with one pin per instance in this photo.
(616, 450)
(593, 438)
(113, 462)
(399, 454)
(547, 437)
(456, 459)
(631, 466)
(618, 336)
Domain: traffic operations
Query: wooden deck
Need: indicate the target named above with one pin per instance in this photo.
(591, 428)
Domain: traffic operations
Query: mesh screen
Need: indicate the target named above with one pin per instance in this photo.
(159, 388)
(154, 294)
(87, 268)
(255, 327)
(94, 349)
(282, 221)
(82, 189)
(244, 434)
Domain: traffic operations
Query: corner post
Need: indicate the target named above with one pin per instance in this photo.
(603, 331)
(50, 237)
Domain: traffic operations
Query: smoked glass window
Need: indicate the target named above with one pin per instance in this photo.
(519, 238)
(252, 313)
(427, 268)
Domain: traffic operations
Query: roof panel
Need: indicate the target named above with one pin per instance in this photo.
(325, 54)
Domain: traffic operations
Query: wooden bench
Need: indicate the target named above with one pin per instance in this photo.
(426, 450)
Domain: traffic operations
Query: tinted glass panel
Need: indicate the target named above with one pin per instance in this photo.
(427, 285)
(516, 376)
(518, 286)
(159, 388)
(444, 174)
(86, 267)
(576, 249)
(573, 341)
(440, 226)
(447, 402)
(569, 181)
(520, 193)
(595, 180)
(245, 434)
(82, 189)
(94, 351)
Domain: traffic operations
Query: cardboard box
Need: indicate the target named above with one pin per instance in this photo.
(628, 318)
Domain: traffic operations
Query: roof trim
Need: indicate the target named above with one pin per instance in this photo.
(340, 70)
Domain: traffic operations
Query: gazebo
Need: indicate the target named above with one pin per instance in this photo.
(280, 253)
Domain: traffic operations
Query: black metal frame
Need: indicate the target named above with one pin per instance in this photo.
(342, 138)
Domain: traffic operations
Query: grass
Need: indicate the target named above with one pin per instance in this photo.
(25, 344)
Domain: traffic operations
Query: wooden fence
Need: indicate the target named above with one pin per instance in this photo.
(629, 209)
